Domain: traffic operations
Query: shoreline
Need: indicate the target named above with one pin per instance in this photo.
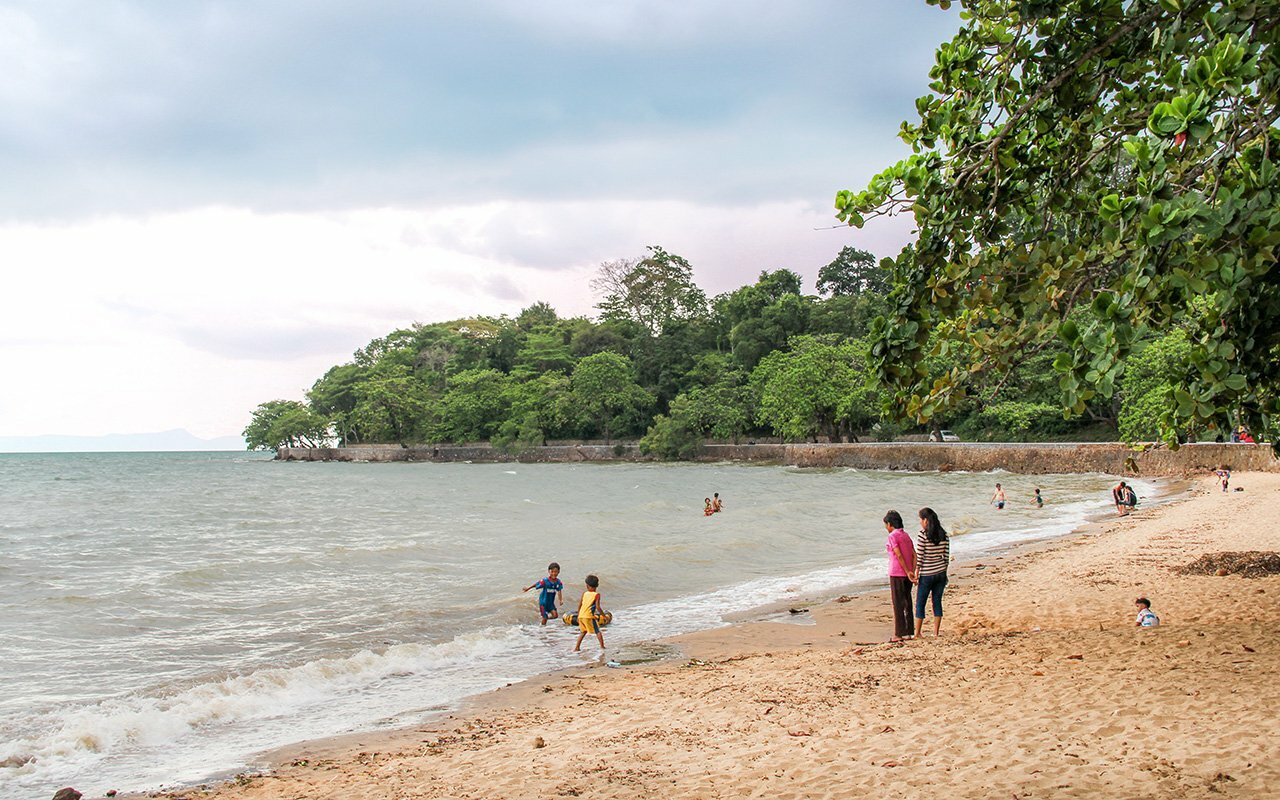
(1039, 687)
(861, 622)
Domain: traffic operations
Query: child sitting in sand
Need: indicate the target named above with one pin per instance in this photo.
(551, 590)
(1146, 617)
(588, 608)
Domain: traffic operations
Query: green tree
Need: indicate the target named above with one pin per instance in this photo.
(1111, 154)
(334, 397)
(852, 273)
(816, 388)
(543, 352)
(540, 409)
(1152, 374)
(285, 423)
(473, 406)
(391, 405)
(653, 291)
(605, 391)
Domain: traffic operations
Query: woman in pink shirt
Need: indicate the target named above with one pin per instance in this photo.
(902, 564)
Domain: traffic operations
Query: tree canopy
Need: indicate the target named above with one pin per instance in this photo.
(1086, 174)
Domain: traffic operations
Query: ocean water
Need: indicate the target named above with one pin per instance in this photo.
(166, 616)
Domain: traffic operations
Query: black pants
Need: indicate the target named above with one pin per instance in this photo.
(900, 589)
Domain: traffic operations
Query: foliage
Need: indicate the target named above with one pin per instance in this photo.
(1147, 391)
(1116, 156)
(285, 423)
(853, 272)
(815, 388)
(472, 407)
(653, 291)
(604, 389)
(519, 382)
(1014, 420)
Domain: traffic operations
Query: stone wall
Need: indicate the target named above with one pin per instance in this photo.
(1106, 457)
(1032, 459)
(554, 454)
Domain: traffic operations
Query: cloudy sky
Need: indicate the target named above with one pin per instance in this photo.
(206, 205)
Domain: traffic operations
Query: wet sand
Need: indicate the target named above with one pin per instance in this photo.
(1040, 687)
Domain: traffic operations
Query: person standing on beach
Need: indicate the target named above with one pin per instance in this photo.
(902, 564)
(933, 554)
(589, 610)
(998, 498)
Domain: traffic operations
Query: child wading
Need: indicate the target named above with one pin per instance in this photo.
(552, 589)
(589, 608)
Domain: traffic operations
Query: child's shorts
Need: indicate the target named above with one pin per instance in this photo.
(547, 609)
(587, 623)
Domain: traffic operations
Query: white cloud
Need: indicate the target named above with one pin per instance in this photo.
(189, 320)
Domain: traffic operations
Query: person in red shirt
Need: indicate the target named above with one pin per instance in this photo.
(902, 564)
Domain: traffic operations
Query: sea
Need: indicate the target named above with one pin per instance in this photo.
(166, 617)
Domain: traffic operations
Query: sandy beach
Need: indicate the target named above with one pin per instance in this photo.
(1040, 687)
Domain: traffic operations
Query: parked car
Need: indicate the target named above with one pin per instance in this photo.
(947, 436)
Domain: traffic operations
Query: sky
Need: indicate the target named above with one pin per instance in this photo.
(204, 206)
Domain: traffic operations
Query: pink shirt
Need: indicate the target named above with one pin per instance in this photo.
(899, 538)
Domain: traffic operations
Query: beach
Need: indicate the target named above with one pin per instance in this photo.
(1041, 686)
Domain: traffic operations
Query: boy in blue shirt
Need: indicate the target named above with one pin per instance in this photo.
(551, 590)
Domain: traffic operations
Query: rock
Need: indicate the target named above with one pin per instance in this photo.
(67, 794)
(539, 743)
(1076, 657)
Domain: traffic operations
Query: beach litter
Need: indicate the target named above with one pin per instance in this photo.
(1247, 564)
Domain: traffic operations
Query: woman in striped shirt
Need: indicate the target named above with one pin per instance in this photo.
(933, 553)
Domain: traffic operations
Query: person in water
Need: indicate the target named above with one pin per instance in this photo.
(716, 505)
(589, 609)
(707, 508)
(551, 590)
(1038, 499)
(998, 498)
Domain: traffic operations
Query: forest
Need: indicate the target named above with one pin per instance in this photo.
(664, 363)
(1096, 255)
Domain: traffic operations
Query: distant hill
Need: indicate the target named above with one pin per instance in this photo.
(177, 439)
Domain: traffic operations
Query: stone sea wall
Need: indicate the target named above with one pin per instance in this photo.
(1032, 459)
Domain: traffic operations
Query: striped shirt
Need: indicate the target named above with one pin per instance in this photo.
(932, 558)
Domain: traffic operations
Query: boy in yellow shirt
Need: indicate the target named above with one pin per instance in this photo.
(589, 608)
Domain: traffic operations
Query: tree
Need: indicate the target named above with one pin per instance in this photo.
(1110, 154)
(391, 404)
(540, 408)
(653, 291)
(472, 407)
(816, 388)
(285, 423)
(852, 273)
(606, 393)
(1151, 376)
(537, 316)
(334, 397)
